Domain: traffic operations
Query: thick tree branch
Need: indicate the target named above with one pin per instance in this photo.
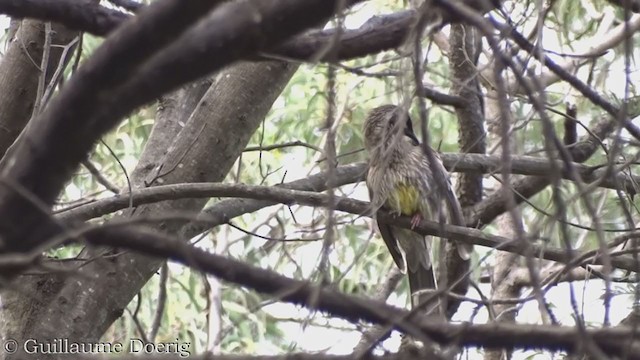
(463, 61)
(39, 154)
(465, 49)
(82, 112)
(612, 340)
(19, 70)
(379, 33)
(82, 15)
(172, 116)
(205, 150)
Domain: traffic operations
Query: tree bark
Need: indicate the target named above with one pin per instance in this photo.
(465, 50)
(19, 73)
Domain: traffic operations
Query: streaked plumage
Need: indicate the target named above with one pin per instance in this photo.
(400, 180)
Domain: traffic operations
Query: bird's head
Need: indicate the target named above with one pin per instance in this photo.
(386, 125)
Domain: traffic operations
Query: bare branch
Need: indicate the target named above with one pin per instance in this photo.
(444, 99)
(100, 178)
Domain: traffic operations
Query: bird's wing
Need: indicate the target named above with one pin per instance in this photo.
(456, 216)
(386, 231)
(457, 254)
(387, 234)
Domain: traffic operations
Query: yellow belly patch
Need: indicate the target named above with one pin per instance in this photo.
(405, 199)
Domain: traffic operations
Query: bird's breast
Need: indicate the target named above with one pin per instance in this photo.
(404, 198)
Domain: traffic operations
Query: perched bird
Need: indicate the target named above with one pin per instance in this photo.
(401, 181)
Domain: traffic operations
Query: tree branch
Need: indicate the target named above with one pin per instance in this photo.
(563, 338)
(19, 69)
(290, 197)
(378, 34)
(573, 80)
(68, 117)
(82, 113)
(494, 205)
(129, 5)
(81, 15)
(479, 163)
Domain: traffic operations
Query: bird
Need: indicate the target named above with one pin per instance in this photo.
(400, 180)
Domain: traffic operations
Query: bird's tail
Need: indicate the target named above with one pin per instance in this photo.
(421, 285)
(422, 280)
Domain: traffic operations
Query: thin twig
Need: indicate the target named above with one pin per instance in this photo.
(46, 51)
(160, 306)
(100, 178)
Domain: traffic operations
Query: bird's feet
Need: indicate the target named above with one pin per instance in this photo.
(415, 220)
